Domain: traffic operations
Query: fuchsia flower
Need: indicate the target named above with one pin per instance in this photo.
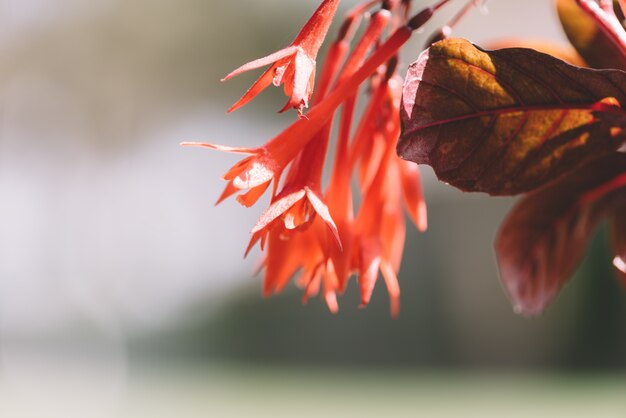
(314, 233)
(293, 66)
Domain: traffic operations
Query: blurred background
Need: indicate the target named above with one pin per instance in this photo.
(124, 292)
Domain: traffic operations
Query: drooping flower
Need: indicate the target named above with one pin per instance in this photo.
(309, 234)
(293, 66)
(387, 182)
(300, 198)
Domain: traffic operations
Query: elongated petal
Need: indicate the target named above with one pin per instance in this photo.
(413, 195)
(229, 190)
(281, 262)
(330, 294)
(262, 62)
(391, 281)
(304, 78)
(278, 208)
(541, 241)
(256, 171)
(369, 263)
(253, 195)
(312, 280)
(225, 148)
(322, 210)
(261, 84)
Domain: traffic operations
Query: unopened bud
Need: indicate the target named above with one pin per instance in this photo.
(421, 18)
(392, 64)
(345, 28)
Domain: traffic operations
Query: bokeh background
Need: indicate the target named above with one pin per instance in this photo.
(123, 290)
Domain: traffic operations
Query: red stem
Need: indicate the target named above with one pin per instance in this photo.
(461, 14)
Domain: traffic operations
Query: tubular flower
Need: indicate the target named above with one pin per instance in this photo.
(293, 66)
(314, 234)
(386, 182)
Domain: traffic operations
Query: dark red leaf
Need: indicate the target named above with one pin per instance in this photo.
(543, 238)
(508, 121)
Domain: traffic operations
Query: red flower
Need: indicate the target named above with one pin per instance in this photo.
(293, 66)
(307, 231)
(387, 182)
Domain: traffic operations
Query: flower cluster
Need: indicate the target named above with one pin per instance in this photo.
(316, 232)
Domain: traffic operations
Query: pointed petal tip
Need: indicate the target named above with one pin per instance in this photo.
(218, 147)
(322, 210)
(365, 299)
(219, 200)
(286, 107)
(234, 107)
(253, 240)
(193, 144)
(422, 216)
(331, 302)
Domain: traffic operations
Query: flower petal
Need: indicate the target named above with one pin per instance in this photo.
(250, 198)
(282, 260)
(229, 190)
(391, 281)
(225, 148)
(262, 62)
(413, 195)
(369, 262)
(261, 84)
(322, 210)
(257, 171)
(277, 208)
